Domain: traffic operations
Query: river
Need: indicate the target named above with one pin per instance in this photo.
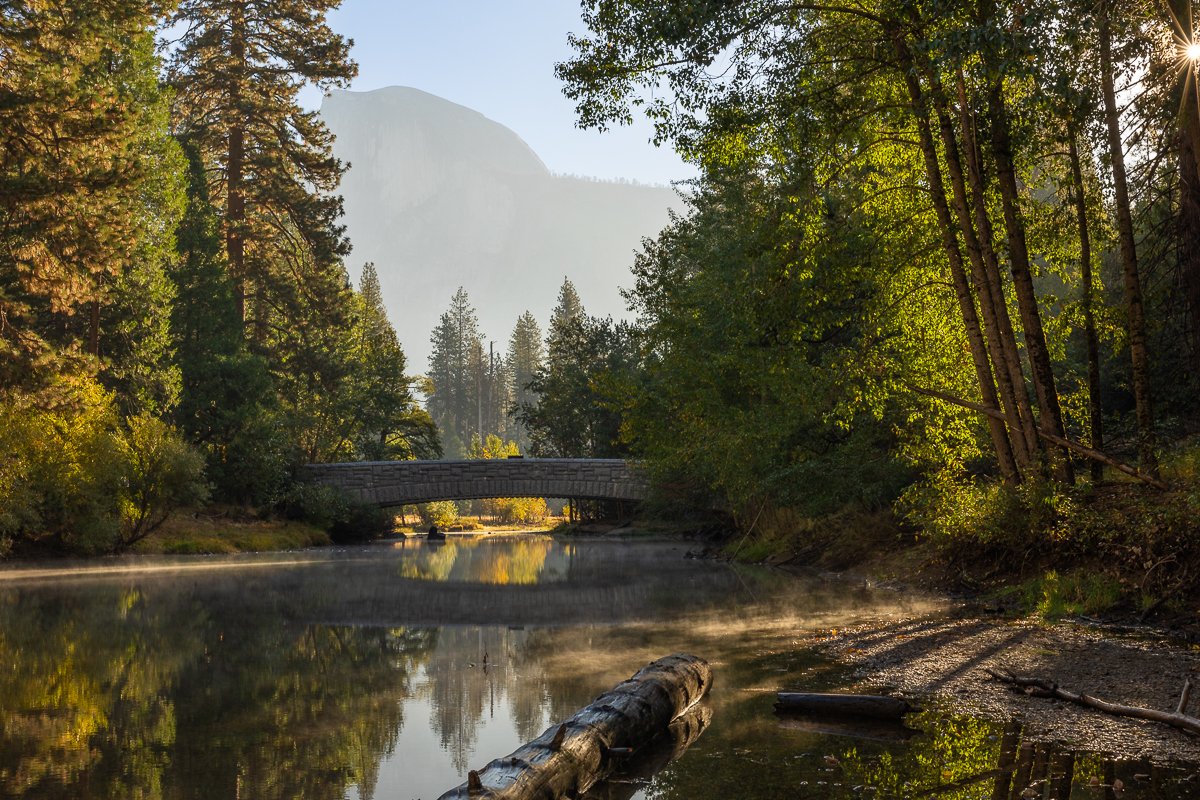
(385, 672)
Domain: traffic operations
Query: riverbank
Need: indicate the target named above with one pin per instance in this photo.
(229, 532)
(943, 657)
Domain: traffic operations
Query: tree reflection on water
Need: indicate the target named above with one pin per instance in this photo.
(326, 679)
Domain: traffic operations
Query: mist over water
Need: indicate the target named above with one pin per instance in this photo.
(389, 671)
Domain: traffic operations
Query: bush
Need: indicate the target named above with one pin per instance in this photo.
(361, 522)
(76, 477)
(442, 513)
(344, 519)
(161, 473)
(960, 515)
(313, 503)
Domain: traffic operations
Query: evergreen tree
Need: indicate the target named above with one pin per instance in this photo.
(387, 422)
(237, 70)
(454, 367)
(568, 309)
(84, 159)
(578, 408)
(523, 362)
(227, 402)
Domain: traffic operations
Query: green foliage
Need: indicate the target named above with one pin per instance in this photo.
(81, 479)
(580, 388)
(442, 513)
(162, 473)
(962, 515)
(344, 519)
(227, 404)
(1054, 596)
(88, 199)
(524, 359)
(471, 387)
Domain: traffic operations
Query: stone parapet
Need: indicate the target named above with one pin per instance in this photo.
(394, 483)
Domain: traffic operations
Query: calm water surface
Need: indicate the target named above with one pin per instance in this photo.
(387, 672)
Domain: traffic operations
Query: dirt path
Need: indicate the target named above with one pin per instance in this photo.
(944, 656)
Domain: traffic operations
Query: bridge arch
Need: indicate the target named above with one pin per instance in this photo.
(397, 483)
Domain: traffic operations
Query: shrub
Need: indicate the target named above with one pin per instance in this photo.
(344, 519)
(361, 522)
(442, 513)
(78, 478)
(961, 515)
(161, 473)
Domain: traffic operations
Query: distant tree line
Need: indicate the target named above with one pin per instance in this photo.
(547, 397)
(176, 318)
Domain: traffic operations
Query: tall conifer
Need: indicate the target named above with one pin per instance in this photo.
(237, 69)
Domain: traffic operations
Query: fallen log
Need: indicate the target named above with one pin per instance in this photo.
(1179, 718)
(568, 759)
(862, 728)
(631, 776)
(848, 705)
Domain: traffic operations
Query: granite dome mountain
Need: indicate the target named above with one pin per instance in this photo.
(439, 196)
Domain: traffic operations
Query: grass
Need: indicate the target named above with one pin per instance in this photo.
(229, 532)
(1052, 596)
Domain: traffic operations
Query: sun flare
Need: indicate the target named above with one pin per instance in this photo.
(1192, 51)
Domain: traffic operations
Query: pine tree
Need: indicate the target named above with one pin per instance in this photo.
(523, 362)
(82, 143)
(227, 402)
(569, 307)
(452, 403)
(237, 70)
(387, 422)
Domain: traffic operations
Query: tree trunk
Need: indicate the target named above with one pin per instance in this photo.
(983, 287)
(1008, 336)
(630, 777)
(1050, 419)
(235, 200)
(568, 759)
(1087, 300)
(1189, 179)
(962, 289)
(1132, 281)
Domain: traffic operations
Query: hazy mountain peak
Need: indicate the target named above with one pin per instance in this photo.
(397, 112)
(439, 196)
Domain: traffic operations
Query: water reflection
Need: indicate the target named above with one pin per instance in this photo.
(389, 672)
(497, 561)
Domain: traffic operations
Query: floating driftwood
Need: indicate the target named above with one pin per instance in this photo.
(1179, 718)
(568, 759)
(847, 705)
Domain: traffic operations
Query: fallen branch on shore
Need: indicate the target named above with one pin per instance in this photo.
(1038, 687)
(568, 759)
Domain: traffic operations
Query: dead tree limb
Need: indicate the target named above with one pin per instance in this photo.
(568, 759)
(1061, 441)
(1043, 688)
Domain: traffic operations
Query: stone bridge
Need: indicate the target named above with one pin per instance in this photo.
(396, 483)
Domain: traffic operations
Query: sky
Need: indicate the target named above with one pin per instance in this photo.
(497, 57)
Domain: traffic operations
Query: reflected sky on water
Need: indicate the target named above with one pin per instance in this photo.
(389, 671)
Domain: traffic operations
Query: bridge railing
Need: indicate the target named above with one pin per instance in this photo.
(392, 483)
